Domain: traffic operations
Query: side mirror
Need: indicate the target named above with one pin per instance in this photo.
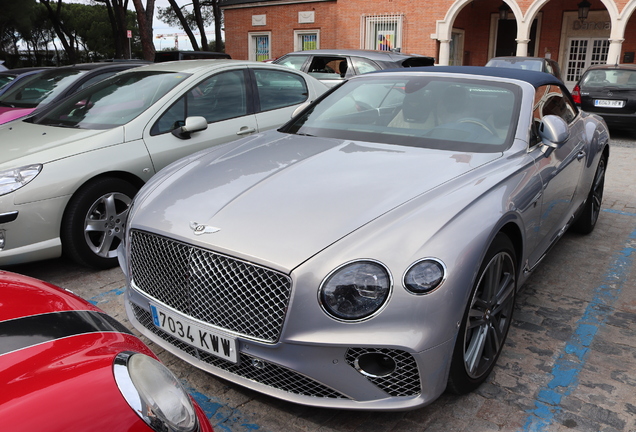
(192, 124)
(554, 132)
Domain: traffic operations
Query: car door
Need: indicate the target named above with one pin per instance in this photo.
(226, 102)
(561, 169)
(277, 93)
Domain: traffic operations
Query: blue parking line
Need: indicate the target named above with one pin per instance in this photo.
(96, 299)
(221, 416)
(223, 419)
(571, 361)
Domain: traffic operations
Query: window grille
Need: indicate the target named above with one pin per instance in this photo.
(382, 32)
(262, 48)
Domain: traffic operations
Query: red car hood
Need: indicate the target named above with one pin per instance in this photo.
(60, 378)
(7, 113)
(24, 296)
(56, 362)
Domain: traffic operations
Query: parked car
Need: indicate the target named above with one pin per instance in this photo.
(527, 63)
(69, 172)
(610, 92)
(2, 66)
(50, 86)
(12, 77)
(164, 56)
(334, 66)
(66, 365)
(367, 254)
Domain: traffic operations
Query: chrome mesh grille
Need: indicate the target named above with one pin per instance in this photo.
(222, 291)
(404, 381)
(252, 368)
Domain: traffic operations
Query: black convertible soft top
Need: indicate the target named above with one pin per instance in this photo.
(535, 78)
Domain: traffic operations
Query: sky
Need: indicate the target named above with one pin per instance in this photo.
(160, 28)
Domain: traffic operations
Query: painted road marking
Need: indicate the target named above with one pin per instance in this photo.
(565, 371)
(572, 360)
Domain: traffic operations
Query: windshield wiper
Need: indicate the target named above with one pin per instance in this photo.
(64, 125)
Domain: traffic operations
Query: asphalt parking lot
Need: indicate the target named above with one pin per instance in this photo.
(569, 363)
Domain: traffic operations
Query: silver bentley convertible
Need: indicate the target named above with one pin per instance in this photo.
(367, 254)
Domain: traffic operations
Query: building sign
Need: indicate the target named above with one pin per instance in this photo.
(591, 25)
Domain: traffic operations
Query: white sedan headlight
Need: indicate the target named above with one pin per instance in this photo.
(355, 291)
(14, 179)
(154, 393)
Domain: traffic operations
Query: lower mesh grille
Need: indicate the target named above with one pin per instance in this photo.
(249, 367)
(404, 381)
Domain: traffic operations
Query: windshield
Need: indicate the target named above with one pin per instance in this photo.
(5, 79)
(469, 115)
(112, 102)
(622, 79)
(524, 64)
(39, 89)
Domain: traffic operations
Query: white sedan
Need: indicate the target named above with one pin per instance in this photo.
(68, 173)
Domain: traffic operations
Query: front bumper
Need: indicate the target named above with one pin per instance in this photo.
(31, 232)
(317, 375)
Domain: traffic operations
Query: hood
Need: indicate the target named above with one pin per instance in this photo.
(8, 114)
(280, 199)
(24, 143)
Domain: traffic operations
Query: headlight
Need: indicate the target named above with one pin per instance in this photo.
(425, 276)
(13, 179)
(154, 393)
(355, 291)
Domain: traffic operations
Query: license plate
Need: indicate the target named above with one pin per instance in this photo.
(608, 103)
(192, 333)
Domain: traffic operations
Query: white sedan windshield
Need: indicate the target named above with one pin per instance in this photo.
(112, 102)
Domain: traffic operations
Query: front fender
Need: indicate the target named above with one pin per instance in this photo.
(454, 223)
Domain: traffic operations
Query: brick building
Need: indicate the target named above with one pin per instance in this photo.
(467, 32)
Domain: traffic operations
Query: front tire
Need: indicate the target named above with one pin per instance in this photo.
(487, 318)
(586, 220)
(94, 222)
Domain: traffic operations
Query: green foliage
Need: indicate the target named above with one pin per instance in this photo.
(168, 16)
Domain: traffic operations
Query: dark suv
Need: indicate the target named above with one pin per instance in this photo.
(609, 91)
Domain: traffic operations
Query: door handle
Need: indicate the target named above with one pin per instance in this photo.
(246, 130)
(580, 155)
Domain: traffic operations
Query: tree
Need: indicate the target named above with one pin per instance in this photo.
(64, 35)
(15, 19)
(202, 14)
(144, 19)
(117, 11)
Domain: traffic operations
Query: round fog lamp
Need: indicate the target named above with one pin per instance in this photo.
(425, 276)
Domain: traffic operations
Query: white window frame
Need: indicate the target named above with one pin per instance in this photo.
(298, 38)
(251, 43)
(369, 25)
